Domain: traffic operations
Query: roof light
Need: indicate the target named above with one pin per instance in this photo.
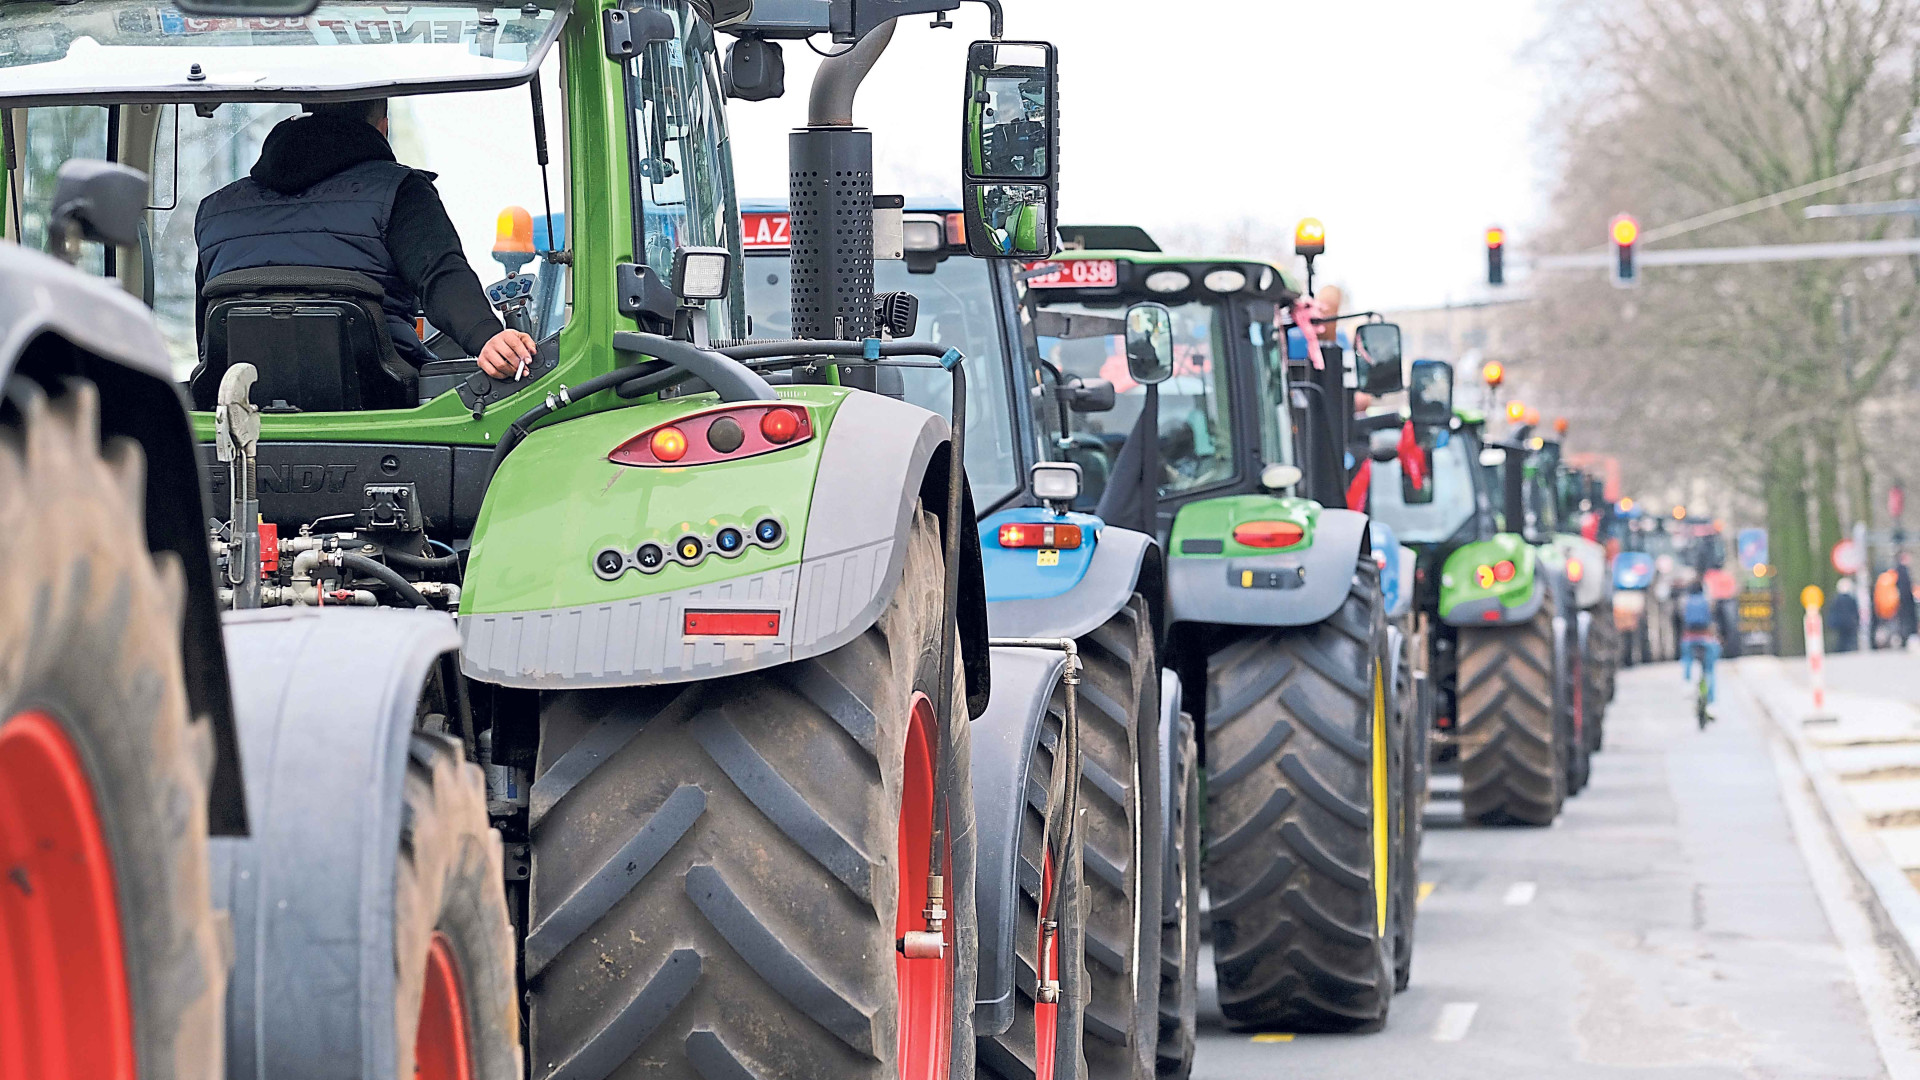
(513, 231)
(1268, 534)
(700, 273)
(1224, 280)
(1494, 372)
(1029, 534)
(1167, 281)
(1516, 411)
(1309, 237)
(1560, 425)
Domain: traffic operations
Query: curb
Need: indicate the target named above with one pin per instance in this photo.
(1895, 900)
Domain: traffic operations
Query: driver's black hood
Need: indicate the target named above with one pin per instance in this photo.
(302, 151)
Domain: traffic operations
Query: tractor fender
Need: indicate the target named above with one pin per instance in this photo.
(1170, 704)
(1203, 590)
(1003, 740)
(57, 323)
(1124, 562)
(856, 545)
(326, 701)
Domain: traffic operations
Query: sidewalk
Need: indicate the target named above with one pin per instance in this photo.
(1863, 762)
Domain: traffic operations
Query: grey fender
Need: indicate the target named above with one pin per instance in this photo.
(1170, 704)
(326, 702)
(1474, 612)
(1003, 740)
(57, 323)
(1124, 562)
(1201, 590)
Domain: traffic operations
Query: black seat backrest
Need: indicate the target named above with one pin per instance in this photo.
(318, 338)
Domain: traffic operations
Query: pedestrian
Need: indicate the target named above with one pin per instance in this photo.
(1843, 617)
(1909, 617)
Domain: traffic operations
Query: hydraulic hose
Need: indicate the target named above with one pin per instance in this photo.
(360, 564)
(423, 563)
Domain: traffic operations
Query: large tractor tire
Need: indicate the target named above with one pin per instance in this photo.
(1119, 751)
(1409, 774)
(110, 955)
(1180, 921)
(1044, 1041)
(1298, 865)
(1596, 692)
(721, 871)
(1512, 750)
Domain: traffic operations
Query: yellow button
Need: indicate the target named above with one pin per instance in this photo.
(1246, 579)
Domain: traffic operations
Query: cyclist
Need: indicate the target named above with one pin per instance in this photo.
(1698, 629)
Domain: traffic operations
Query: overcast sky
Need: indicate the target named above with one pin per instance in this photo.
(1405, 125)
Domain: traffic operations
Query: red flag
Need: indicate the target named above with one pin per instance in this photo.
(1413, 460)
(1361, 485)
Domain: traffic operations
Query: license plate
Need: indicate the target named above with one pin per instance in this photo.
(1076, 274)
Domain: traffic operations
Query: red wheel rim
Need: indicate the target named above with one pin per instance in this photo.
(65, 1013)
(925, 985)
(441, 1050)
(1046, 1016)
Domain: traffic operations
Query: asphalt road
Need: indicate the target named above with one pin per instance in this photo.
(1687, 915)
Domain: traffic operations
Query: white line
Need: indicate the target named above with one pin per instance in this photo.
(1455, 1017)
(1520, 892)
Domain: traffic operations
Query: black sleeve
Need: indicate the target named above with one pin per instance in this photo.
(426, 251)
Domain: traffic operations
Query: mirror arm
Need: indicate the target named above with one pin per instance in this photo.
(996, 19)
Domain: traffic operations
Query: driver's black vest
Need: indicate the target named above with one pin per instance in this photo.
(339, 223)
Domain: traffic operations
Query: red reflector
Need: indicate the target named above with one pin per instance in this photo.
(1503, 570)
(1490, 616)
(1268, 534)
(1036, 535)
(732, 623)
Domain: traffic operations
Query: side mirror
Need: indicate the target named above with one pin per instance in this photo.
(1149, 343)
(1377, 350)
(1091, 395)
(99, 201)
(1010, 129)
(1430, 394)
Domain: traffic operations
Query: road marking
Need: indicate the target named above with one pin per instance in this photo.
(1455, 1017)
(1520, 892)
(1273, 1037)
(1426, 890)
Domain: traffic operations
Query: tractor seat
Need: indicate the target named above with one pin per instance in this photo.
(318, 337)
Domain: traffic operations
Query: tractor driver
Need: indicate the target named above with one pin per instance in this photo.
(328, 193)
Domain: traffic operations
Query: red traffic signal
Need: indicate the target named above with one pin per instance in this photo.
(1496, 256)
(1622, 233)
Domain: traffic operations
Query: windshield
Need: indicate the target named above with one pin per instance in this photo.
(1276, 419)
(479, 145)
(133, 48)
(1196, 439)
(681, 155)
(1454, 498)
(956, 309)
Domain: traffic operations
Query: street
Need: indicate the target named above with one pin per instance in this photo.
(1688, 913)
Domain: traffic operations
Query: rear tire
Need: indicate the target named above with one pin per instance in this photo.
(1595, 695)
(1297, 864)
(1410, 774)
(717, 879)
(1511, 750)
(1014, 1053)
(105, 912)
(1180, 933)
(1119, 720)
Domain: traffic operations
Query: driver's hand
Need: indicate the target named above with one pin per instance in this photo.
(505, 352)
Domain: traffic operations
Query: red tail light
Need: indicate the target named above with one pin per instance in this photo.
(1503, 570)
(732, 623)
(727, 433)
(1029, 534)
(1575, 571)
(1268, 534)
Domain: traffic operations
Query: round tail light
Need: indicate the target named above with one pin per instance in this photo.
(779, 425)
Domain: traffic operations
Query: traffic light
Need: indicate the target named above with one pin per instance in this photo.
(1496, 261)
(1494, 372)
(1622, 233)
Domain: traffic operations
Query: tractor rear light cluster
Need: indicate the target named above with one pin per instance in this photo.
(1268, 534)
(688, 549)
(1028, 534)
(1485, 575)
(728, 433)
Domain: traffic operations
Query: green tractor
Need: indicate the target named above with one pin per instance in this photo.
(1276, 621)
(722, 624)
(1500, 620)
